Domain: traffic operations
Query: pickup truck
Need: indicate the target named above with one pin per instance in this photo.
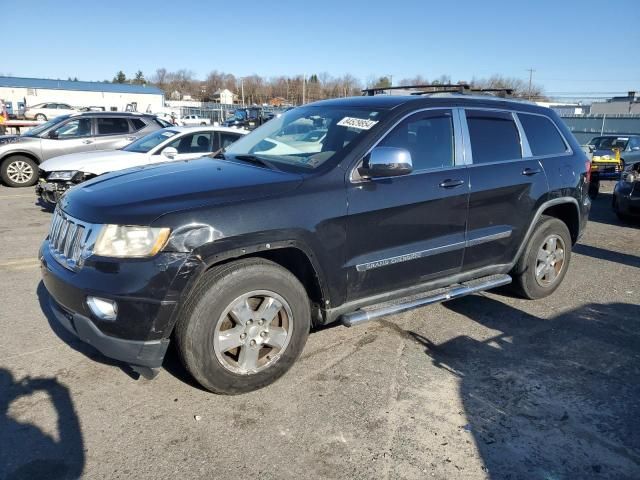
(397, 203)
(190, 120)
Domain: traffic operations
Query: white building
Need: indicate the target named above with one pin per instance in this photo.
(112, 96)
(224, 96)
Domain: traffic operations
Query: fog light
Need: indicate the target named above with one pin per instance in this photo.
(103, 308)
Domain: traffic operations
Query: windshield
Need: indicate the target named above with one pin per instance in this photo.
(608, 143)
(307, 136)
(148, 142)
(239, 115)
(41, 128)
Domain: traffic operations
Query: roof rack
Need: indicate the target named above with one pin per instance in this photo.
(461, 88)
(436, 88)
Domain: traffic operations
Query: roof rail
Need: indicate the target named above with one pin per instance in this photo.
(434, 88)
(437, 87)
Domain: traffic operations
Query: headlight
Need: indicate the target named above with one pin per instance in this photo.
(130, 241)
(62, 175)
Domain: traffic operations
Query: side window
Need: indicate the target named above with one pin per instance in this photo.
(543, 136)
(64, 106)
(429, 138)
(76, 128)
(227, 139)
(112, 126)
(634, 143)
(137, 124)
(494, 136)
(194, 143)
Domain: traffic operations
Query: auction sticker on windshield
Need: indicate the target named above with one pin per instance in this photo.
(359, 123)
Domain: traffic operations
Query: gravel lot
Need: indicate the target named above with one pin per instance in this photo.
(488, 386)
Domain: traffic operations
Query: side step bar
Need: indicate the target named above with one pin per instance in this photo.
(436, 296)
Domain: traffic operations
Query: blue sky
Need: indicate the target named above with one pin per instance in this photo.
(574, 46)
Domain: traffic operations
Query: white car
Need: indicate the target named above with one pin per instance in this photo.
(173, 143)
(47, 111)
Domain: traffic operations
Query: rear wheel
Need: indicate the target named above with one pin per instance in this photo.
(244, 326)
(545, 259)
(19, 171)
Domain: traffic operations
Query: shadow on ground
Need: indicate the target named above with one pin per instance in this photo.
(549, 399)
(26, 452)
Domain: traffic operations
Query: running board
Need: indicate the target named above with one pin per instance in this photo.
(426, 298)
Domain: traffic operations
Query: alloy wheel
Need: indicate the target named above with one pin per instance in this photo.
(253, 332)
(19, 171)
(550, 260)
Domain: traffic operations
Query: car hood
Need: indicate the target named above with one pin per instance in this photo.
(97, 163)
(137, 196)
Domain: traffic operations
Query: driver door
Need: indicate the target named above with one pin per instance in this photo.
(195, 145)
(74, 135)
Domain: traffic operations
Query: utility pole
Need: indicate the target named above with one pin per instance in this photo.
(304, 81)
(242, 89)
(530, 70)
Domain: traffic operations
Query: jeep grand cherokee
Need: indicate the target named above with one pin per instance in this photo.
(406, 201)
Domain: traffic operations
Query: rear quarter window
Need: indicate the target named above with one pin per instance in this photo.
(542, 135)
(137, 124)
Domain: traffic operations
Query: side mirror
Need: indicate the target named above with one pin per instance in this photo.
(635, 149)
(170, 152)
(387, 162)
(52, 134)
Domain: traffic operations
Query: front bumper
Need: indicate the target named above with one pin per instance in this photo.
(627, 197)
(51, 192)
(147, 293)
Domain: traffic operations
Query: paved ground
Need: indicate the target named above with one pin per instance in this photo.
(488, 386)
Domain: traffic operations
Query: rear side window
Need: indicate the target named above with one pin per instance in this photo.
(112, 126)
(542, 135)
(494, 136)
(428, 137)
(227, 139)
(137, 124)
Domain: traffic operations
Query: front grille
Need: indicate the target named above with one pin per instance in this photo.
(67, 238)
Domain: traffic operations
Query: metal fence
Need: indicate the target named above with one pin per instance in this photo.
(585, 127)
(216, 112)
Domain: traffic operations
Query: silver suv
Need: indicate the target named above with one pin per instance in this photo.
(78, 132)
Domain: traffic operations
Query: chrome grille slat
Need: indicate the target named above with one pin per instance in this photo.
(67, 238)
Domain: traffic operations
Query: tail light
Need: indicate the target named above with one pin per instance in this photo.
(587, 165)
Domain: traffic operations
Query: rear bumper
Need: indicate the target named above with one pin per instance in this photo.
(143, 353)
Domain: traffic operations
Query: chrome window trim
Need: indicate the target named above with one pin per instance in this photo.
(458, 162)
(525, 149)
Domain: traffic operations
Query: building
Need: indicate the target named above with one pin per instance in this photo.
(629, 104)
(224, 96)
(21, 92)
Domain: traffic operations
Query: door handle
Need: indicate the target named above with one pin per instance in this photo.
(531, 171)
(448, 183)
(87, 142)
(131, 139)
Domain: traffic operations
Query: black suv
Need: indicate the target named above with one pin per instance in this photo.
(404, 201)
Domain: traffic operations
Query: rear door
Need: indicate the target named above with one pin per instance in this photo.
(506, 187)
(113, 133)
(406, 230)
(73, 135)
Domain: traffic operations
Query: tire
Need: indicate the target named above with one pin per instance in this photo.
(621, 216)
(205, 317)
(19, 171)
(594, 189)
(41, 117)
(534, 259)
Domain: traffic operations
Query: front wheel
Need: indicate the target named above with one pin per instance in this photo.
(19, 171)
(243, 326)
(41, 117)
(545, 260)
